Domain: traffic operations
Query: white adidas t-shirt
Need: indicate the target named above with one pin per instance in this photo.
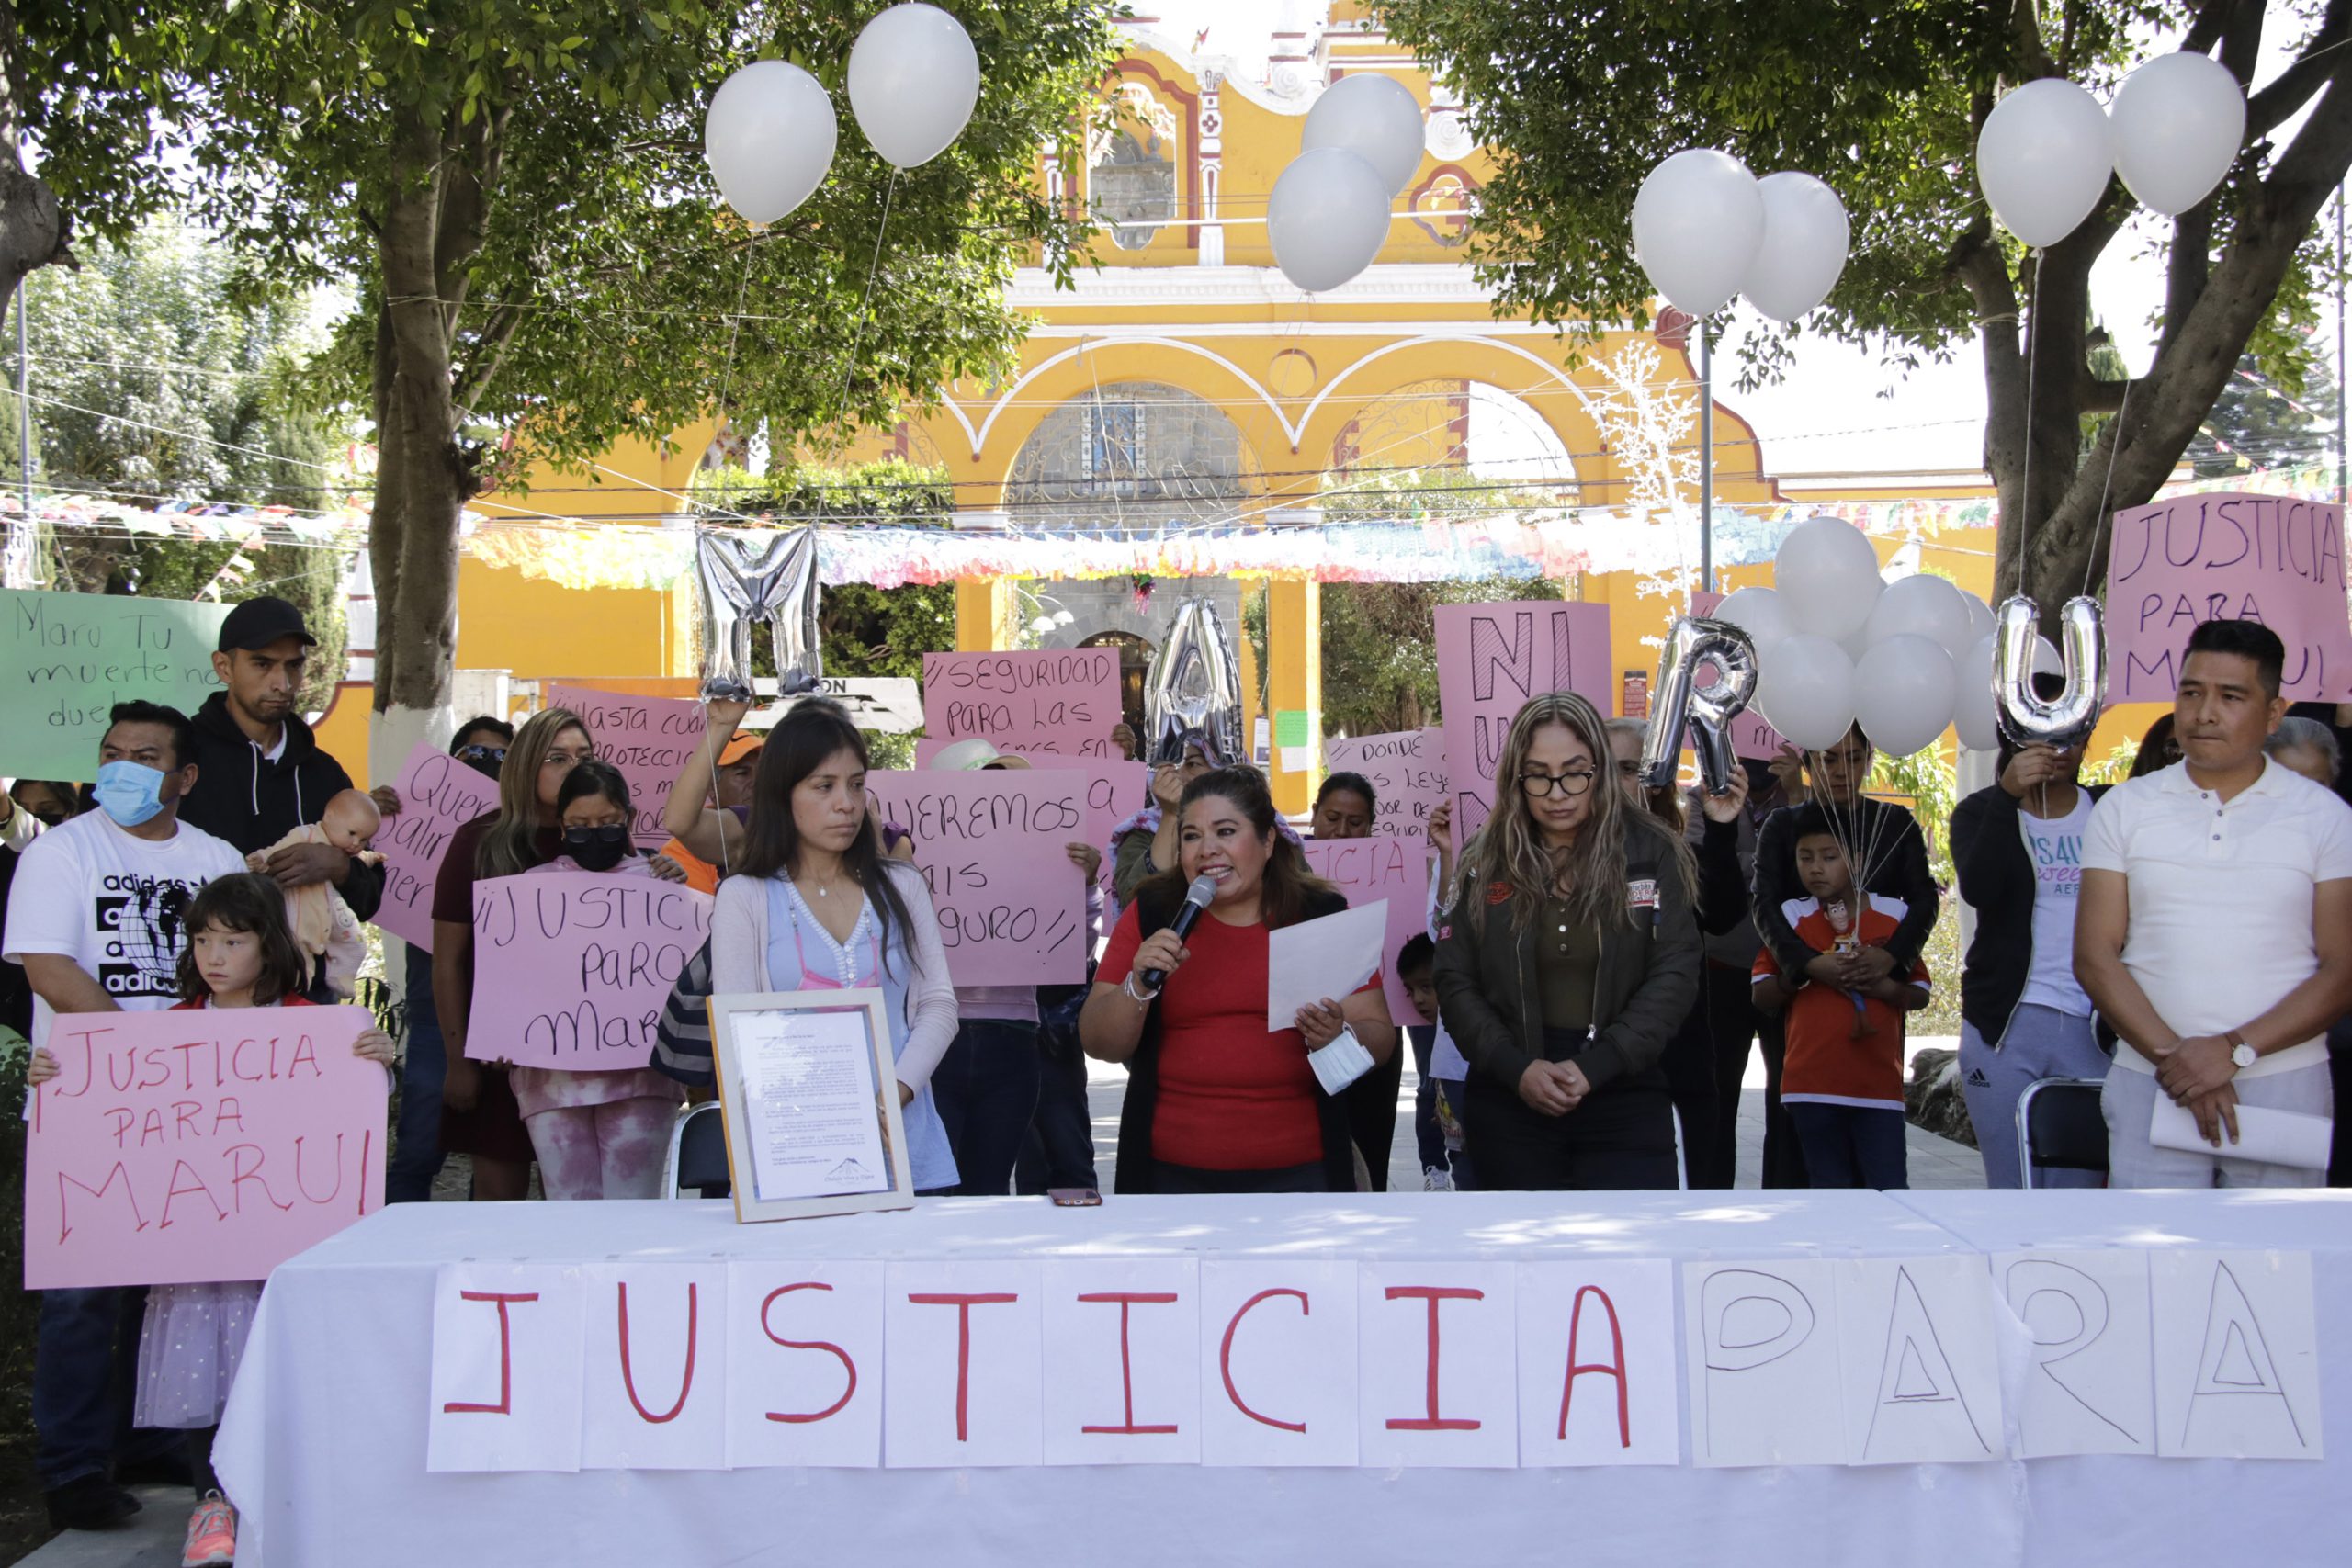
(115, 904)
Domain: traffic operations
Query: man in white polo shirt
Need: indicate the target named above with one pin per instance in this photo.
(2215, 927)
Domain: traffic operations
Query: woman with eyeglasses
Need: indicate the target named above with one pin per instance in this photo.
(478, 1115)
(1567, 959)
(597, 1135)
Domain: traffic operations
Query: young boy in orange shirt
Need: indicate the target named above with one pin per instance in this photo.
(1843, 1079)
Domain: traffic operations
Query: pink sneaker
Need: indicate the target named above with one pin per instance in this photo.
(211, 1535)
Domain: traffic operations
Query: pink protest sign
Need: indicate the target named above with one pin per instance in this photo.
(1116, 789)
(183, 1147)
(2226, 556)
(993, 848)
(1390, 867)
(1063, 700)
(1750, 736)
(438, 796)
(648, 738)
(1405, 770)
(1490, 660)
(572, 967)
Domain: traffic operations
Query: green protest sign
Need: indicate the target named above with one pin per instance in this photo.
(66, 659)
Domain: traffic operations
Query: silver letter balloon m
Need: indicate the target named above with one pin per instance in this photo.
(2028, 717)
(747, 577)
(1676, 697)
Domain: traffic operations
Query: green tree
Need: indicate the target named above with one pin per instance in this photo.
(1884, 102)
(2256, 423)
(543, 265)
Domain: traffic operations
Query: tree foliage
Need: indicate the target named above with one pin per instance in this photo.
(2257, 424)
(1379, 660)
(1884, 102)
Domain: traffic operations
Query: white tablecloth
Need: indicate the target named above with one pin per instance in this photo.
(324, 1444)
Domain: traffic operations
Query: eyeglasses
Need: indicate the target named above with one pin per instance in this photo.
(481, 753)
(1570, 784)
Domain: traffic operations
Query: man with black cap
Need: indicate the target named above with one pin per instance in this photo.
(260, 775)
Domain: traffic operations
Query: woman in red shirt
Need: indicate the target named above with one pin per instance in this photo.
(1214, 1101)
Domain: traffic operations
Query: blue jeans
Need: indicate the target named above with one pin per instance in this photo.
(416, 1142)
(86, 1363)
(1059, 1149)
(985, 1088)
(1851, 1145)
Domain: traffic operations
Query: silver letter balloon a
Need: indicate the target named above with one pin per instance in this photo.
(1677, 697)
(747, 578)
(1194, 685)
(2028, 717)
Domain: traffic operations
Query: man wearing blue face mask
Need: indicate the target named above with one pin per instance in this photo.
(97, 918)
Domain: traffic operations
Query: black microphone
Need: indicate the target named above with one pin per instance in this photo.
(1199, 896)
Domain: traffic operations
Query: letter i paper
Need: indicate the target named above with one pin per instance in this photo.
(1439, 1357)
(1124, 1383)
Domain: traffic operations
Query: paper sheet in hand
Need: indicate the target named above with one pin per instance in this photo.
(1315, 958)
(809, 1106)
(2275, 1137)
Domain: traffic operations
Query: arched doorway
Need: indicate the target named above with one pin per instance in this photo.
(1135, 661)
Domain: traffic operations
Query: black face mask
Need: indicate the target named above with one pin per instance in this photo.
(596, 849)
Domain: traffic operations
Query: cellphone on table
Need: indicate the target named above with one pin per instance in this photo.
(1075, 1197)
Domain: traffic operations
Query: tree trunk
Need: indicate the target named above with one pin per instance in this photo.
(33, 234)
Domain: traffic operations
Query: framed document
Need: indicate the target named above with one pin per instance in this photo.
(808, 1093)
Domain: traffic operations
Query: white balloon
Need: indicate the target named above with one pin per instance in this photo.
(1698, 221)
(1808, 682)
(1903, 694)
(1975, 712)
(914, 79)
(1980, 619)
(2179, 123)
(1923, 605)
(1327, 217)
(768, 137)
(2045, 658)
(2044, 158)
(1759, 613)
(1826, 574)
(1804, 250)
(1374, 117)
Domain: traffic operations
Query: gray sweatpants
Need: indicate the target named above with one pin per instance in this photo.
(2041, 1042)
(2129, 1100)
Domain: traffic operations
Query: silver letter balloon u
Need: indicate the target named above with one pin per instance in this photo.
(2028, 717)
(1675, 696)
(747, 578)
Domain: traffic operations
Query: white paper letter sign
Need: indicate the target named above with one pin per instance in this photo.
(1278, 1363)
(2237, 1359)
(2086, 1389)
(1439, 1364)
(804, 1383)
(962, 1345)
(1124, 1386)
(1597, 1364)
(505, 1383)
(1762, 1354)
(656, 1393)
(1923, 1381)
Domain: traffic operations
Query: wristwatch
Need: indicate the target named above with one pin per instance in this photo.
(2242, 1054)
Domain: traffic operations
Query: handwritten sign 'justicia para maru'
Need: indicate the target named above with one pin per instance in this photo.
(572, 968)
(181, 1148)
(2227, 557)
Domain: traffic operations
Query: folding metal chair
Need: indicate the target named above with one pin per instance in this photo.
(697, 1163)
(2060, 1127)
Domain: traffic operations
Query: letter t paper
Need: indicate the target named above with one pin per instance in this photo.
(961, 1343)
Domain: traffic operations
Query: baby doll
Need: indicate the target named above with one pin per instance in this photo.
(324, 927)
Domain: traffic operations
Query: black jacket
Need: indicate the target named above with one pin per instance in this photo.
(1894, 862)
(251, 802)
(1156, 905)
(1723, 886)
(1996, 877)
(1489, 995)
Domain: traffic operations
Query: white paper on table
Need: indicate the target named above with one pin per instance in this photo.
(962, 1393)
(1441, 1372)
(1762, 1345)
(2086, 1387)
(1326, 958)
(2236, 1355)
(663, 1407)
(1596, 1374)
(1278, 1362)
(809, 1109)
(505, 1379)
(1922, 1375)
(1124, 1385)
(2275, 1137)
(805, 1386)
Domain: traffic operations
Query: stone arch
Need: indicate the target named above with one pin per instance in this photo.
(1133, 451)
(1557, 398)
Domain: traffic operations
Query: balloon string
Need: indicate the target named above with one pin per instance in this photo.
(734, 326)
(2032, 343)
(2114, 445)
(873, 269)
